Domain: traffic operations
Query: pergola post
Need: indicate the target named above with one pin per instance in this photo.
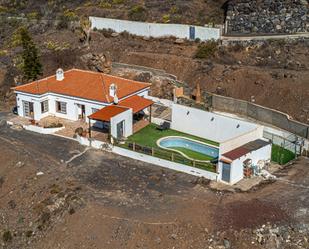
(89, 127)
(150, 114)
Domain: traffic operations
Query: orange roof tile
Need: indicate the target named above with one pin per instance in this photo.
(106, 113)
(137, 103)
(84, 84)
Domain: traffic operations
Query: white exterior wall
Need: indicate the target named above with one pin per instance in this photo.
(72, 111)
(127, 117)
(166, 164)
(241, 140)
(155, 29)
(237, 172)
(198, 122)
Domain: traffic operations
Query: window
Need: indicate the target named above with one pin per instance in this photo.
(61, 107)
(44, 106)
(94, 110)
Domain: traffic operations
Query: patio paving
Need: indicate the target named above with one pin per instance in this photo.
(163, 112)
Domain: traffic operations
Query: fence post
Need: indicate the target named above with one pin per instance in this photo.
(133, 146)
(193, 163)
(152, 151)
(172, 157)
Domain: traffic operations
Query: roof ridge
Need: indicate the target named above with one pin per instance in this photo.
(109, 75)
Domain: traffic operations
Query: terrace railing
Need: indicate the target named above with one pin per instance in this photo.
(167, 155)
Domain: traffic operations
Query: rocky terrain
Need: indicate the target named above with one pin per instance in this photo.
(268, 16)
(56, 195)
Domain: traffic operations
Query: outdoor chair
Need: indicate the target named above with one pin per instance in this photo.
(164, 126)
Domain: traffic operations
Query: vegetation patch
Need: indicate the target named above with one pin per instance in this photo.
(138, 13)
(7, 236)
(206, 50)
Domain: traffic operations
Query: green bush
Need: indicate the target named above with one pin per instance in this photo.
(138, 13)
(70, 15)
(118, 1)
(7, 236)
(105, 4)
(206, 50)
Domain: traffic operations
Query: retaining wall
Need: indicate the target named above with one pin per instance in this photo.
(260, 113)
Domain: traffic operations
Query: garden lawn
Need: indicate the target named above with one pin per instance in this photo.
(149, 136)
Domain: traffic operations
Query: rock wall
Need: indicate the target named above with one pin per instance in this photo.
(267, 16)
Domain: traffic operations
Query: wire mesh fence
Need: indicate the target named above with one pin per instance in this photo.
(284, 149)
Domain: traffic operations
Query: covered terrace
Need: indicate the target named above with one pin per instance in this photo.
(122, 119)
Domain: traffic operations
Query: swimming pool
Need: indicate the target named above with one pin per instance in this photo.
(180, 143)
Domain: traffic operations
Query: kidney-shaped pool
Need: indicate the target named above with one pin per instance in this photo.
(187, 147)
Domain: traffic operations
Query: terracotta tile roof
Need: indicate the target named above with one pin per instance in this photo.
(137, 103)
(84, 84)
(106, 113)
(245, 149)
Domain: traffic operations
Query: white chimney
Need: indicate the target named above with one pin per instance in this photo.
(59, 75)
(112, 90)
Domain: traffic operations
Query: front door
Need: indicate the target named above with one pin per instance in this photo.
(120, 129)
(81, 110)
(226, 172)
(28, 109)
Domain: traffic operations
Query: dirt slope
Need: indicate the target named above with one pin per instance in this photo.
(101, 200)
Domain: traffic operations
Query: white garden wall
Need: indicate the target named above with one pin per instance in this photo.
(155, 29)
(247, 137)
(166, 164)
(208, 125)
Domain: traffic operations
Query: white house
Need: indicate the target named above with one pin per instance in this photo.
(77, 94)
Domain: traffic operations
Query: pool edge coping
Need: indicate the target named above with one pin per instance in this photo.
(183, 154)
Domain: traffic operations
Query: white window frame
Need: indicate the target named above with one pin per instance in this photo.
(63, 107)
(44, 106)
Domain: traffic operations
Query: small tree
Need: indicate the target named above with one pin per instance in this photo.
(86, 29)
(32, 66)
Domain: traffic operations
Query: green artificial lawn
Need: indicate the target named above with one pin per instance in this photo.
(281, 155)
(149, 136)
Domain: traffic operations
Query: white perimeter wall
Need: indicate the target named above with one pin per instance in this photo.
(198, 122)
(127, 117)
(154, 29)
(235, 142)
(166, 164)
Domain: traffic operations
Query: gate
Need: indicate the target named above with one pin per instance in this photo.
(192, 33)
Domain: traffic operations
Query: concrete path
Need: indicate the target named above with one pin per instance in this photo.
(263, 37)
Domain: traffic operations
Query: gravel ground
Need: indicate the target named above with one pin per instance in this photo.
(101, 200)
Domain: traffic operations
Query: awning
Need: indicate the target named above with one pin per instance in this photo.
(137, 103)
(106, 113)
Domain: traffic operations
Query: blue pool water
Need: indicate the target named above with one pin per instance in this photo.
(171, 142)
